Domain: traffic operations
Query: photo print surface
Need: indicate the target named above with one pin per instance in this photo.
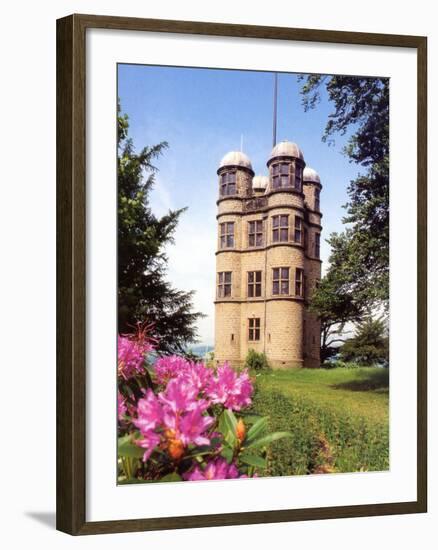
(253, 274)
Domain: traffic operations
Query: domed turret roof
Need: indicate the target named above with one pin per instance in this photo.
(309, 174)
(286, 149)
(260, 183)
(236, 158)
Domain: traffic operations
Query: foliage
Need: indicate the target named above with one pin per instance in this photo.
(143, 292)
(332, 301)
(338, 419)
(362, 105)
(333, 363)
(184, 421)
(369, 346)
(256, 361)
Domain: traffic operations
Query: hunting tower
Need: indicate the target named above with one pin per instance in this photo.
(268, 259)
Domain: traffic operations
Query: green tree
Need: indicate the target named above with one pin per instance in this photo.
(361, 105)
(369, 346)
(332, 301)
(144, 294)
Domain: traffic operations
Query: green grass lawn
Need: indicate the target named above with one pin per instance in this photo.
(338, 419)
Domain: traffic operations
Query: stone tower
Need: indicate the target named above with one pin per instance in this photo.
(267, 259)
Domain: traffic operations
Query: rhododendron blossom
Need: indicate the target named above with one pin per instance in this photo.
(121, 406)
(148, 442)
(179, 396)
(169, 367)
(217, 468)
(197, 375)
(231, 389)
(175, 416)
(149, 411)
(180, 418)
(131, 355)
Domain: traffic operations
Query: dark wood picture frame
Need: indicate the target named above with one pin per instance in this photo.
(71, 270)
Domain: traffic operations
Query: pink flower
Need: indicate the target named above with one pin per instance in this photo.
(149, 413)
(192, 427)
(197, 375)
(121, 406)
(175, 418)
(149, 441)
(183, 416)
(179, 395)
(218, 468)
(131, 354)
(231, 389)
(169, 367)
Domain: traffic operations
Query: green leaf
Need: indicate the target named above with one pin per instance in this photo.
(125, 447)
(253, 460)
(267, 439)
(215, 441)
(227, 426)
(230, 420)
(201, 451)
(256, 429)
(171, 477)
(251, 418)
(227, 453)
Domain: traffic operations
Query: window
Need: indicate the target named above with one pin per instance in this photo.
(228, 183)
(317, 244)
(227, 235)
(254, 329)
(317, 196)
(254, 284)
(280, 280)
(298, 178)
(280, 175)
(306, 240)
(224, 284)
(298, 229)
(255, 233)
(280, 228)
(299, 282)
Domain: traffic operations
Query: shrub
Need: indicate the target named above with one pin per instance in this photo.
(256, 361)
(339, 364)
(184, 421)
(369, 346)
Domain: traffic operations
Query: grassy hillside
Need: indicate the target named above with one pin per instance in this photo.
(338, 418)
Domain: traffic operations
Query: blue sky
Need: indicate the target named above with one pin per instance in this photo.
(203, 114)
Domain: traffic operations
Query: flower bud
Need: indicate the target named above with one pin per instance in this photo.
(175, 448)
(240, 430)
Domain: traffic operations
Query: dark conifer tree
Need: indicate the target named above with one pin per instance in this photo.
(144, 294)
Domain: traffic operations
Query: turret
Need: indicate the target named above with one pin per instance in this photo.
(235, 175)
(312, 188)
(260, 185)
(286, 164)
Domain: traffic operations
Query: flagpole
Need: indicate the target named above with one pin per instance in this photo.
(274, 122)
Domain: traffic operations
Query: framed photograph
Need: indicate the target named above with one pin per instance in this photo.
(241, 274)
